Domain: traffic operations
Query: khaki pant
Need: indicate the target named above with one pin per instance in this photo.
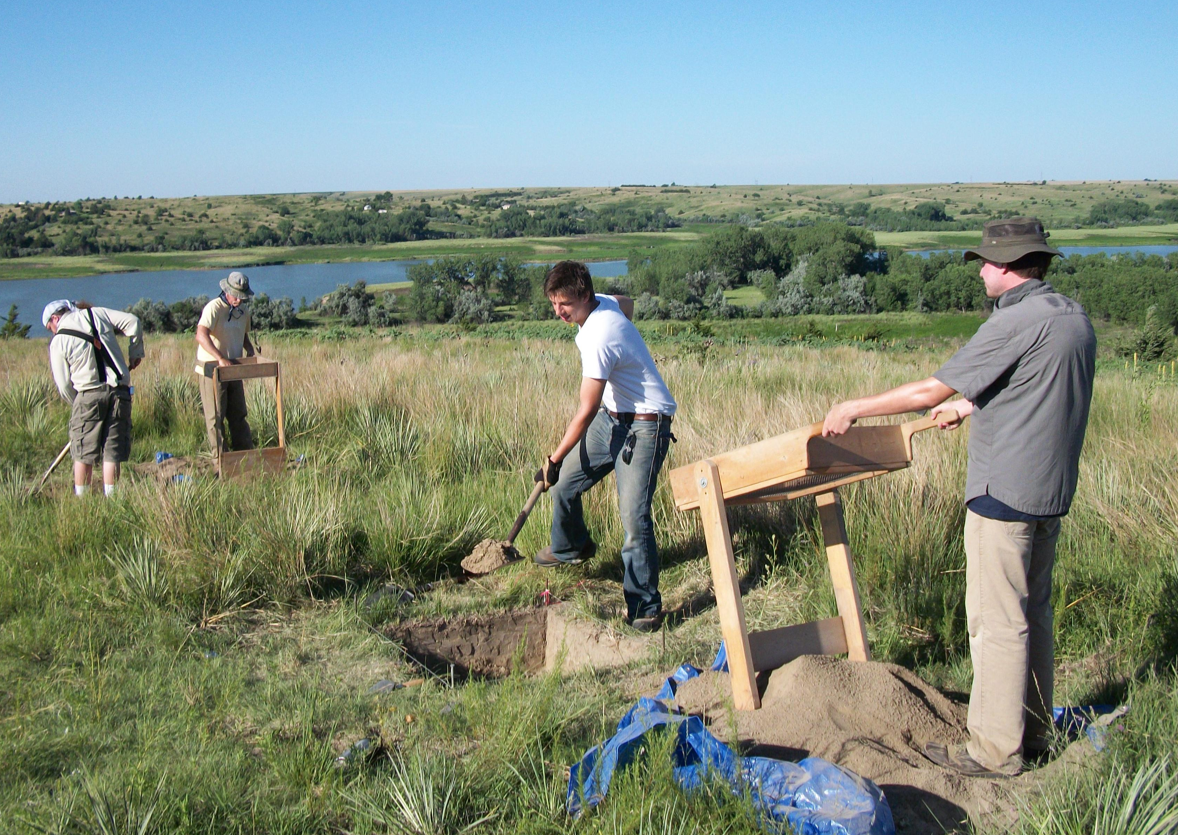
(233, 412)
(1008, 608)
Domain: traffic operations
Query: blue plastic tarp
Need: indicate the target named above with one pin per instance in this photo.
(811, 797)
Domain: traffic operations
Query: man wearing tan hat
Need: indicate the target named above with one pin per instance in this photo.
(1026, 377)
(222, 336)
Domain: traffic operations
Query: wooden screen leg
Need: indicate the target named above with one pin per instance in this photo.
(220, 425)
(278, 410)
(842, 574)
(714, 516)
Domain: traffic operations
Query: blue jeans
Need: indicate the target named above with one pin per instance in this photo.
(600, 451)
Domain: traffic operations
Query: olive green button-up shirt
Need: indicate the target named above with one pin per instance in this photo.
(1028, 371)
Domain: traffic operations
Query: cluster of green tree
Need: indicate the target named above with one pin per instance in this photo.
(182, 316)
(781, 260)
(572, 219)
(941, 282)
(1121, 288)
(923, 217)
(1129, 211)
(833, 268)
(358, 307)
(467, 290)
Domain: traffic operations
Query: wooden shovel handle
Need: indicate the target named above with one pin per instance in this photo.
(911, 428)
(64, 452)
(523, 514)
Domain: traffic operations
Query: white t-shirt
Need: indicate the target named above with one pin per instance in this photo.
(612, 349)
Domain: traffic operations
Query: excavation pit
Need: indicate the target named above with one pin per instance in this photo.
(521, 641)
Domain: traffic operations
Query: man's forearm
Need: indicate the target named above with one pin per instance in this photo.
(910, 397)
(576, 430)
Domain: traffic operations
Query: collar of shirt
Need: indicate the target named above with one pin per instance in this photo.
(234, 312)
(1016, 294)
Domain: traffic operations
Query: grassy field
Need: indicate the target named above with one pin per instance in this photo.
(196, 657)
(1061, 205)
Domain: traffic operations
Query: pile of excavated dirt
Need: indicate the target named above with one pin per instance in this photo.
(489, 555)
(871, 718)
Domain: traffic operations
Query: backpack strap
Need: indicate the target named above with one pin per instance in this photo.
(101, 357)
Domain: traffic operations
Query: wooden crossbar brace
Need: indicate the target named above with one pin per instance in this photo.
(751, 653)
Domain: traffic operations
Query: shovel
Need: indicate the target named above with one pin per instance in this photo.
(64, 452)
(490, 554)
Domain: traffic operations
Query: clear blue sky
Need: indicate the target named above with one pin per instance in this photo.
(169, 99)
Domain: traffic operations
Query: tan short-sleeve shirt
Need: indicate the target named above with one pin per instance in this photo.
(227, 330)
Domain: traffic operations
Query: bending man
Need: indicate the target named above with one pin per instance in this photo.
(91, 374)
(1026, 377)
(622, 424)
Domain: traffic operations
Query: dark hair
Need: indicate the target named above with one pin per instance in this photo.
(1031, 265)
(571, 278)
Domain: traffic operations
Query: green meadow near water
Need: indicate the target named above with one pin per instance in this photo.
(194, 658)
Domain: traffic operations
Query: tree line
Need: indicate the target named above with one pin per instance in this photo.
(824, 268)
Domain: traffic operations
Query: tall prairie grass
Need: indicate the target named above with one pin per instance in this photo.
(210, 639)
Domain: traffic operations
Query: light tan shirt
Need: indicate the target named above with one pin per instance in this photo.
(72, 359)
(227, 332)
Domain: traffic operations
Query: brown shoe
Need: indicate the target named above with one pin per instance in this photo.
(651, 624)
(955, 758)
(544, 557)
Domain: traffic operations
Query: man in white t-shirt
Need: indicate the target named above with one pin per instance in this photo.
(623, 425)
(222, 336)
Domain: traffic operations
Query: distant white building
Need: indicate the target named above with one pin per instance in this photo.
(505, 206)
(367, 207)
(382, 211)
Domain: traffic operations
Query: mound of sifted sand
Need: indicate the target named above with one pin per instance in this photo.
(869, 717)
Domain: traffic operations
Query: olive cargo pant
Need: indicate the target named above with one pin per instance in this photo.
(1008, 608)
(233, 412)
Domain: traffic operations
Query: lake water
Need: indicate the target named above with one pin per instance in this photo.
(1151, 249)
(121, 290)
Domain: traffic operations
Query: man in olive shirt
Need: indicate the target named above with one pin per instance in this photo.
(222, 336)
(1026, 377)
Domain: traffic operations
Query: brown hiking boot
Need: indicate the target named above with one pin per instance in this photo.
(650, 624)
(955, 758)
(545, 558)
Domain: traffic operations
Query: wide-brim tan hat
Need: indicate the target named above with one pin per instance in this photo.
(1005, 241)
(237, 284)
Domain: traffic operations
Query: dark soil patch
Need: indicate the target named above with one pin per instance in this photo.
(490, 646)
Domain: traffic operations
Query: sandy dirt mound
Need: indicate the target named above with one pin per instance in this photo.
(489, 555)
(485, 645)
(872, 718)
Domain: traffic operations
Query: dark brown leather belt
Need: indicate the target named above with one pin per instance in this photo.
(632, 416)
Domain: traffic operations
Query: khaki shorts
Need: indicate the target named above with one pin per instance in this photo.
(100, 426)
